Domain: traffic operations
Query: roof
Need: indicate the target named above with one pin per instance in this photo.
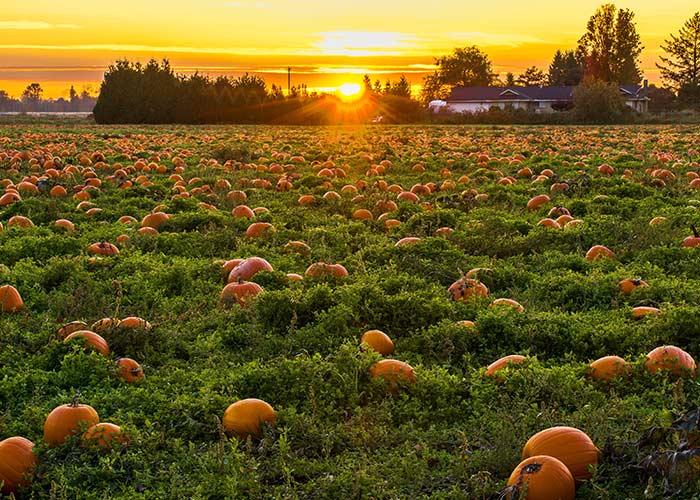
(531, 93)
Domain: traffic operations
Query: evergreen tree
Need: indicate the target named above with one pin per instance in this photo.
(680, 71)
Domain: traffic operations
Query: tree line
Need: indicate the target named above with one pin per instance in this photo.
(154, 93)
(32, 100)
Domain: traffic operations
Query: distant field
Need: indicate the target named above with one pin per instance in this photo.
(453, 432)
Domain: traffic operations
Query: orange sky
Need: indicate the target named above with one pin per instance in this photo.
(326, 42)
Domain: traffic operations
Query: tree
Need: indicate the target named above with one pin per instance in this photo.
(611, 46)
(596, 101)
(532, 76)
(367, 84)
(681, 70)
(565, 69)
(661, 99)
(32, 94)
(510, 79)
(400, 88)
(465, 67)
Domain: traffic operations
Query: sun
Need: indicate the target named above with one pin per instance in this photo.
(350, 92)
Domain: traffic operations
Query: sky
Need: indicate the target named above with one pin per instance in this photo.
(326, 42)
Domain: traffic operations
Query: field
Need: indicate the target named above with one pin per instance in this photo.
(453, 432)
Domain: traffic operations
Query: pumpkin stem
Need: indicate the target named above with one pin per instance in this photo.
(74, 403)
(695, 231)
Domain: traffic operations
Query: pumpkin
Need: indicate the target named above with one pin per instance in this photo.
(657, 220)
(248, 268)
(408, 196)
(58, 192)
(542, 478)
(135, 322)
(608, 367)
(323, 270)
(154, 220)
(243, 292)
(258, 229)
(362, 214)
(65, 223)
(466, 288)
(129, 370)
(103, 248)
(243, 211)
(508, 302)
(147, 231)
(19, 221)
(570, 445)
(17, 460)
(378, 341)
(549, 223)
(671, 358)
(409, 240)
(466, 323)
(244, 418)
(104, 435)
(538, 201)
(503, 362)
(92, 340)
(606, 169)
(689, 242)
(71, 327)
(628, 285)
(298, 247)
(641, 311)
(599, 252)
(393, 372)
(66, 420)
(10, 299)
(105, 325)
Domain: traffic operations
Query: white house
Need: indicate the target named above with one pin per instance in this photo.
(536, 99)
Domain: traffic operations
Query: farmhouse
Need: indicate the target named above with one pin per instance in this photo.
(536, 99)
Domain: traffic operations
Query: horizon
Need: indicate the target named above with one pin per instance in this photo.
(338, 45)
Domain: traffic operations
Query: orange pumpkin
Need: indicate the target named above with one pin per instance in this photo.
(297, 246)
(508, 302)
(244, 418)
(10, 299)
(628, 285)
(543, 478)
(104, 435)
(393, 372)
(20, 221)
(154, 220)
(66, 420)
(129, 370)
(249, 268)
(92, 340)
(538, 201)
(103, 248)
(135, 322)
(608, 367)
(323, 270)
(65, 223)
(258, 229)
(599, 252)
(465, 289)
(105, 325)
(243, 211)
(409, 240)
(71, 327)
(503, 362)
(17, 460)
(570, 445)
(641, 311)
(671, 358)
(362, 214)
(243, 292)
(378, 341)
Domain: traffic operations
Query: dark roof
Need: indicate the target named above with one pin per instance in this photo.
(532, 93)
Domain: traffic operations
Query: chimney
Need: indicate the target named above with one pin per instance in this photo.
(289, 81)
(646, 87)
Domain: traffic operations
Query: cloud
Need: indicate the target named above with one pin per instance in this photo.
(35, 25)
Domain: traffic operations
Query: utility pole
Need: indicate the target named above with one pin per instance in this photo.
(289, 81)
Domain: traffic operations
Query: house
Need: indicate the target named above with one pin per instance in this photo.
(534, 99)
